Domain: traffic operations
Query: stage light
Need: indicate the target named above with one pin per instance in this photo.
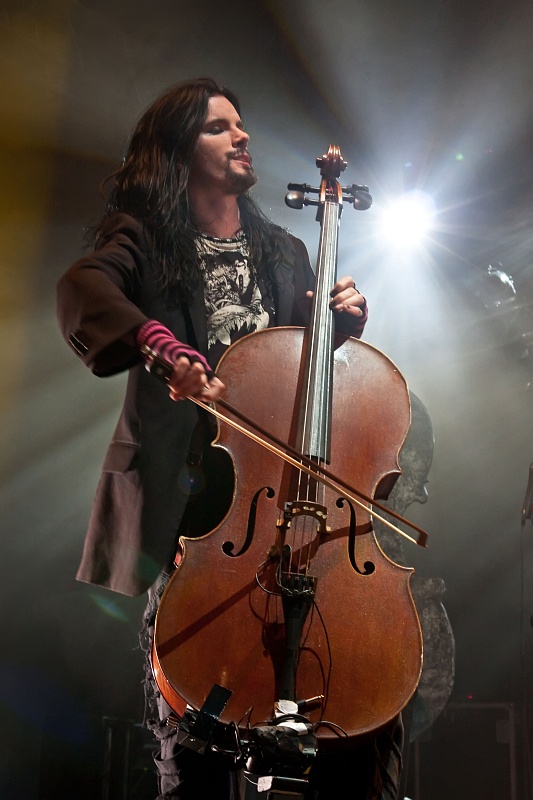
(406, 221)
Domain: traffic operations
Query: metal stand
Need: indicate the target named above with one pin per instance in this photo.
(276, 757)
(280, 757)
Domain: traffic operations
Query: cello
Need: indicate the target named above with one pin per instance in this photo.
(290, 599)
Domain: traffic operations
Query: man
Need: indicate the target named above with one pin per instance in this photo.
(184, 264)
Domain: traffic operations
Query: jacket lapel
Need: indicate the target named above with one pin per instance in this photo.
(196, 322)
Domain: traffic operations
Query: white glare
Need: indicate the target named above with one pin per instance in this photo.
(406, 221)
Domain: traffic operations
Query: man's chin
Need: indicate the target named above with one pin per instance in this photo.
(242, 181)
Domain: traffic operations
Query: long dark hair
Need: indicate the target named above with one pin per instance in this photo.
(152, 181)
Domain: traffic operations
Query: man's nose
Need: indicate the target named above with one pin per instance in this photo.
(240, 138)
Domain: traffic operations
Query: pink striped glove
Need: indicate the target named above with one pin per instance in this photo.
(156, 337)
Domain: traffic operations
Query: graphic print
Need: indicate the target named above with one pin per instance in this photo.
(234, 304)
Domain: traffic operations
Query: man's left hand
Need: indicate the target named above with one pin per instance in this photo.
(346, 299)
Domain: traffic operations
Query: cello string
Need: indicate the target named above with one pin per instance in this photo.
(316, 433)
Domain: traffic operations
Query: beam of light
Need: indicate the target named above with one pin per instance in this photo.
(406, 221)
(109, 607)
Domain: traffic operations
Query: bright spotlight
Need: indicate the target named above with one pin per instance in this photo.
(405, 222)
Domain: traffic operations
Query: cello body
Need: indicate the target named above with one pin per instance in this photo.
(223, 617)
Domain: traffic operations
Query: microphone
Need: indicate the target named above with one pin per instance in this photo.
(527, 507)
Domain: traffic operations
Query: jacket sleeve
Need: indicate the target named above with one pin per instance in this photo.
(97, 298)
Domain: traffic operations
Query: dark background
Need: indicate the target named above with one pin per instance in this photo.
(430, 95)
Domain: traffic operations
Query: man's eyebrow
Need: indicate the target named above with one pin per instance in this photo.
(220, 120)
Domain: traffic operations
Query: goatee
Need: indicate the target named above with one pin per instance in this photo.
(242, 181)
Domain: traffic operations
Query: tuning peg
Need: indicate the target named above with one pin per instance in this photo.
(359, 196)
(362, 200)
(295, 199)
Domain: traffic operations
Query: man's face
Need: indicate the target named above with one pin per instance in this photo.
(220, 157)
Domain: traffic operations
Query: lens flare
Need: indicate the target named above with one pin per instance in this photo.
(406, 221)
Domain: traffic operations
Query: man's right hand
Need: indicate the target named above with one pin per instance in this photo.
(190, 380)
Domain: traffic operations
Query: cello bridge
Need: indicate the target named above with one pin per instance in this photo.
(304, 508)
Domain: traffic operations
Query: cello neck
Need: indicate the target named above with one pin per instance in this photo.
(314, 430)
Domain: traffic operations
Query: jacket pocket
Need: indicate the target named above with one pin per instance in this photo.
(121, 457)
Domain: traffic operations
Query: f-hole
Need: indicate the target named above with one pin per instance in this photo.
(369, 566)
(228, 546)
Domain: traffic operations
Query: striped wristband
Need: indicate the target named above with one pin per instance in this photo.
(156, 337)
